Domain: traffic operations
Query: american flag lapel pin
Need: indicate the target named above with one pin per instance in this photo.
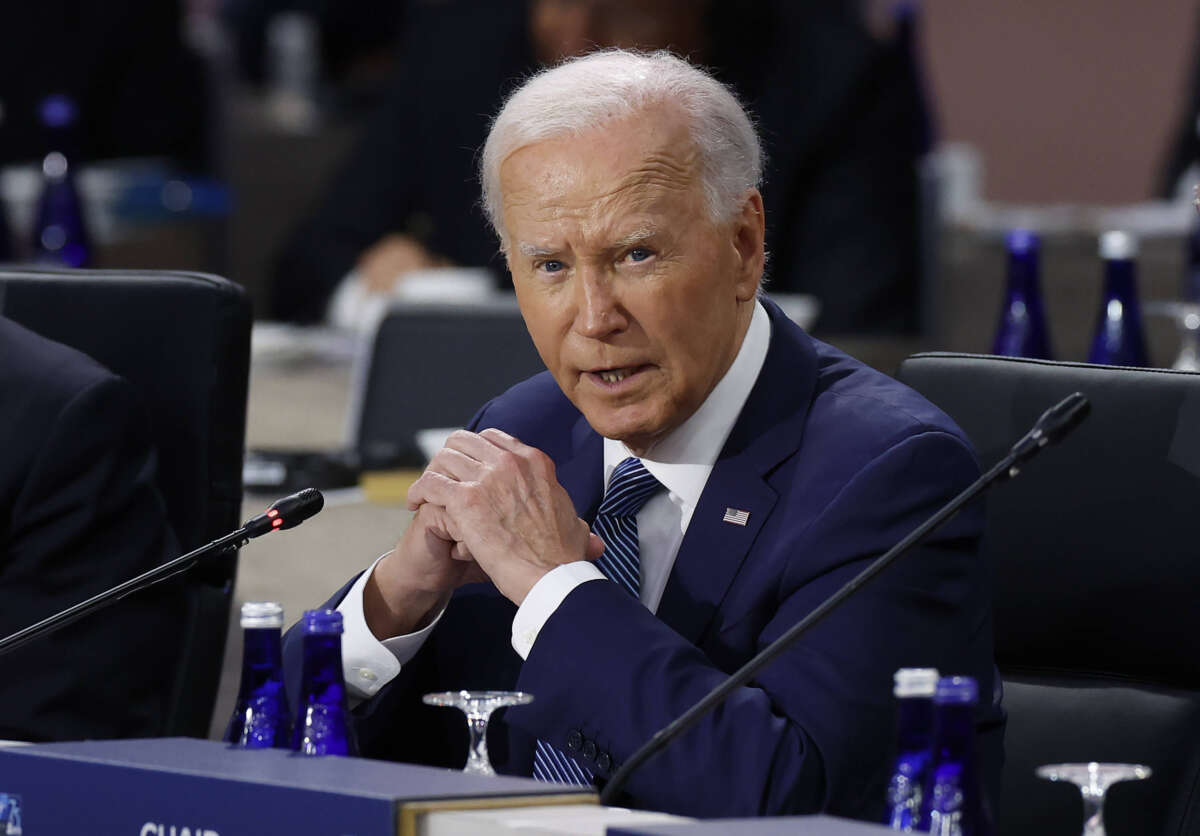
(736, 516)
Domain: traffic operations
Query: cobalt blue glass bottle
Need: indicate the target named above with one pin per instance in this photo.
(1118, 340)
(1022, 330)
(323, 722)
(261, 716)
(914, 690)
(59, 232)
(10, 814)
(954, 800)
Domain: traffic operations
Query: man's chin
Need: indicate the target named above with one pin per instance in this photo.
(637, 435)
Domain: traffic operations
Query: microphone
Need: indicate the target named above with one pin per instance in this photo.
(285, 513)
(1051, 427)
(1055, 422)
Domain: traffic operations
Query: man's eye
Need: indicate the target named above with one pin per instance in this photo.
(551, 266)
(639, 254)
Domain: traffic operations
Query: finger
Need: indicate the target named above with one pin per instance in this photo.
(461, 552)
(476, 445)
(432, 487)
(532, 460)
(455, 464)
(595, 547)
(435, 520)
(504, 441)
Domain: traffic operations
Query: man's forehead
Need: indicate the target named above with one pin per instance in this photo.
(650, 146)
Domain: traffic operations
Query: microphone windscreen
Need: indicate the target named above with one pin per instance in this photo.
(297, 508)
(1065, 416)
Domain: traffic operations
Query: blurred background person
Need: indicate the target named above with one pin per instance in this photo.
(79, 513)
(838, 104)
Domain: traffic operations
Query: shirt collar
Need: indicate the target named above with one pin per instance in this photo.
(683, 460)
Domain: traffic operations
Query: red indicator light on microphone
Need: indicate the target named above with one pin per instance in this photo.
(278, 521)
(272, 512)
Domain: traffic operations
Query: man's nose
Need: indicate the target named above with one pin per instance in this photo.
(598, 312)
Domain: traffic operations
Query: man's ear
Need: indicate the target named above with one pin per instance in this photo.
(749, 234)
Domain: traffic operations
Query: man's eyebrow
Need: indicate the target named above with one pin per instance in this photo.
(638, 236)
(533, 250)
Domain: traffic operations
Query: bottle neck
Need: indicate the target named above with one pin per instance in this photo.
(914, 724)
(1023, 276)
(262, 660)
(262, 646)
(1120, 281)
(323, 678)
(955, 732)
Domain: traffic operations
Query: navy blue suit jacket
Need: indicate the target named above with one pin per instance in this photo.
(834, 462)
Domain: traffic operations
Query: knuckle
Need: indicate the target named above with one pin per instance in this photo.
(458, 436)
(469, 494)
(543, 463)
(508, 460)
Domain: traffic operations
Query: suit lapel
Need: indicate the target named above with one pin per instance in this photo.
(713, 550)
(582, 475)
(767, 431)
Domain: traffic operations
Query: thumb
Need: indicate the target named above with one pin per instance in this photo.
(595, 547)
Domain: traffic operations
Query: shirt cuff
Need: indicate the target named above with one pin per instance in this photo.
(368, 663)
(544, 598)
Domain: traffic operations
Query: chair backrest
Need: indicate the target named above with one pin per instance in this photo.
(1096, 569)
(183, 340)
(434, 366)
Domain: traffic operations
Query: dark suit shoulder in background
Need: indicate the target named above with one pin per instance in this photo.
(79, 512)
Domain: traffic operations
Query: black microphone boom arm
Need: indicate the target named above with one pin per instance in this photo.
(296, 508)
(1053, 424)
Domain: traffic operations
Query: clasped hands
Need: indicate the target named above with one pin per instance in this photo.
(487, 507)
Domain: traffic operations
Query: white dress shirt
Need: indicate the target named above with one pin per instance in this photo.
(682, 462)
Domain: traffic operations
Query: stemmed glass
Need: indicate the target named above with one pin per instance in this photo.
(478, 706)
(1093, 780)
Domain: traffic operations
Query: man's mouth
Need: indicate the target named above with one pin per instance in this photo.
(611, 377)
(615, 375)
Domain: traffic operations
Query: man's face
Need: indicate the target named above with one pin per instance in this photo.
(636, 300)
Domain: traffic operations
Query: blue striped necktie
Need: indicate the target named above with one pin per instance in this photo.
(630, 486)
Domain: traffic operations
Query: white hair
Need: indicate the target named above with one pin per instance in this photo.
(588, 92)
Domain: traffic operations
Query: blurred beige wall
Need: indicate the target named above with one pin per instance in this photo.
(1068, 100)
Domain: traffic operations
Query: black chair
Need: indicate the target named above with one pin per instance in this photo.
(434, 366)
(1096, 565)
(183, 339)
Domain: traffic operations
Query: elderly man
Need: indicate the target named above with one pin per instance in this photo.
(692, 476)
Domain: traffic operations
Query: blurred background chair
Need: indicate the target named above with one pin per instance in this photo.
(433, 366)
(183, 341)
(1095, 563)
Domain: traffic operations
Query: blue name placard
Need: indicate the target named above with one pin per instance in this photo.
(186, 787)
